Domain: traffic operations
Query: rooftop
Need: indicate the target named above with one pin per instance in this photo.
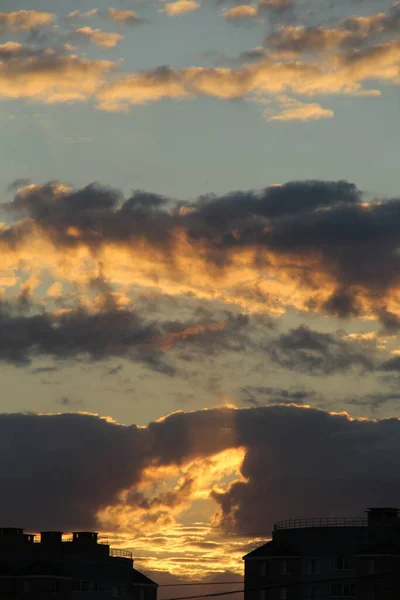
(55, 541)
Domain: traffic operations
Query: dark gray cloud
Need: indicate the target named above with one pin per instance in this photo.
(258, 395)
(17, 183)
(307, 465)
(393, 364)
(307, 351)
(374, 401)
(79, 334)
(63, 464)
(298, 462)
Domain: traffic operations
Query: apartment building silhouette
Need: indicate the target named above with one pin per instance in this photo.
(80, 567)
(328, 558)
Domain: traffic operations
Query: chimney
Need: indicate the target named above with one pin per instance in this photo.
(383, 517)
(50, 538)
(11, 532)
(87, 538)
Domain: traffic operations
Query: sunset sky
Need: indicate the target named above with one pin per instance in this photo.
(200, 270)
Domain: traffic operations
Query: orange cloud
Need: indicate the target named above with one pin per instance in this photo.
(122, 16)
(100, 38)
(165, 492)
(339, 75)
(52, 78)
(167, 341)
(260, 269)
(23, 20)
(76, 14)
(180, 7)
(299, 111)
(242, 11)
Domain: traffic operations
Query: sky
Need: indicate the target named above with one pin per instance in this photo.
(199, 275)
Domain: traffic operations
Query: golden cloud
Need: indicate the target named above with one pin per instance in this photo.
(124, 16)
(242, 11)
(180, 7)
(339, 75)
(100, 38)
(165, 492)
(52, 78)
(23, 20)
(299, 111)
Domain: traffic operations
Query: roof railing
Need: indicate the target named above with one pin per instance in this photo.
(321, 522)
(118, 553)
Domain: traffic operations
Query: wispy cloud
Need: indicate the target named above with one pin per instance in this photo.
(100, 38)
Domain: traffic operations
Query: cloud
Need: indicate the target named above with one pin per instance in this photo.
(108, 330)
(240, 12)
(18, 183)
(79, 471)
(276, 4)
(315, 246)
(374, 401)
(393, 364)
(25, 20)
(95, 36)
(353, 32)
(299, 111)
(76, 14)
(268, 77)
(318, 245)
(245, 12)
(259, 395)
(180, 7)
(50, 77)
(293, 462)
(124, 17)
(297, 472)
(311, 352)
(10, 49)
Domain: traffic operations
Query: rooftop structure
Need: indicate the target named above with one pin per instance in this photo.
(80, 565)
(331, 557)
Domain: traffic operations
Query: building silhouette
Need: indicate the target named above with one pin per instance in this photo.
(328, 558)
(80, 567)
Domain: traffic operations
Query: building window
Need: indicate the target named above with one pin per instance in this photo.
(312, 592)
(264, 568)
(263, 595)
(314, 566)
(57, 586)
(371, 595)
(343, 590)
(27, 587)
(284, 567)
(283, 594)
(342, 563)
(116, 591)
(371, 565)
(141, 594)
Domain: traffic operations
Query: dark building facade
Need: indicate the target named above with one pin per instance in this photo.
(80, 567)
(328, 559)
